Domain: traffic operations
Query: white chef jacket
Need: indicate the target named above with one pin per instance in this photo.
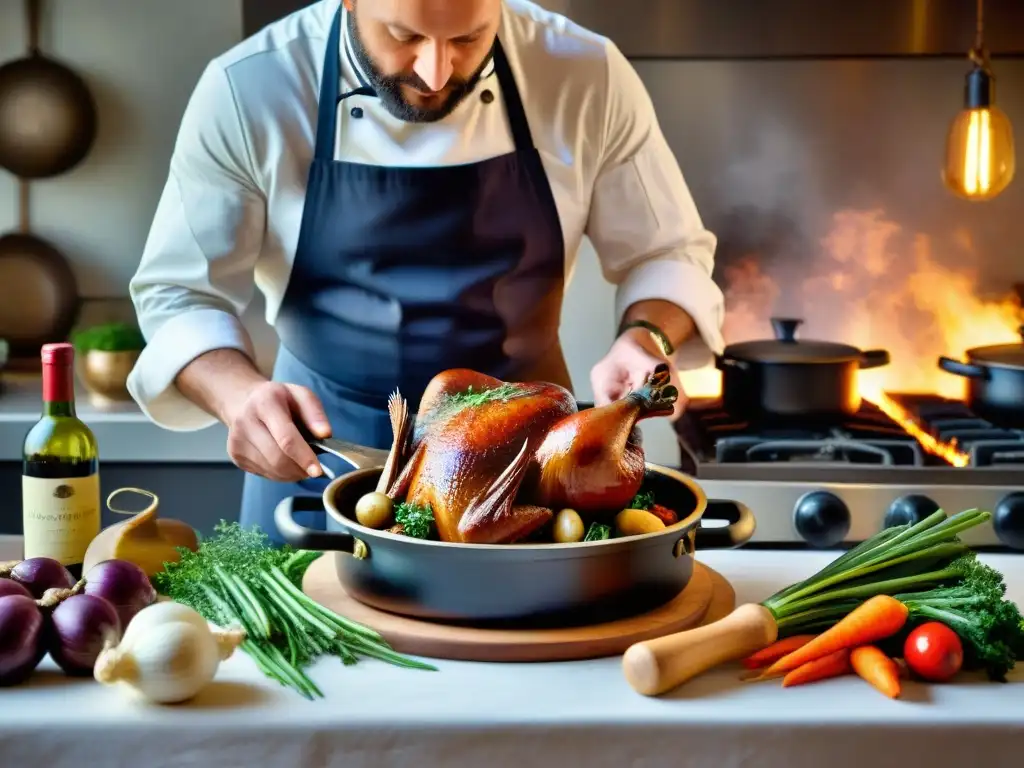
(228, 220)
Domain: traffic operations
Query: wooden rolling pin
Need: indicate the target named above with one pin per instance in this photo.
(653, 667)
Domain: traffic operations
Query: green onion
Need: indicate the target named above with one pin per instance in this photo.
(238, 578)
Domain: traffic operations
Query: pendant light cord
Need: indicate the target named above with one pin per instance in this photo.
(978, 54)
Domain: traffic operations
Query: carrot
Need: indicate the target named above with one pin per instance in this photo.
(775, 651)
(875, 667)
(822, 668)
(876, 618)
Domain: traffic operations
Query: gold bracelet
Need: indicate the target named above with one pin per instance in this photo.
(657, 335)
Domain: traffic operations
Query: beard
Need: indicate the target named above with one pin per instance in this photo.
(389, 87)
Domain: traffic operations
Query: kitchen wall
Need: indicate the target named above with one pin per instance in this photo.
(141, 58)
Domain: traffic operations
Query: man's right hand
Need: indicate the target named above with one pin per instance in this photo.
(262, 435)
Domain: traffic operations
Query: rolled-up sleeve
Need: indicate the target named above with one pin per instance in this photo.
(196, 276)
(643, 221)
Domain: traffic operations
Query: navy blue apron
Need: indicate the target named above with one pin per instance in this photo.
(401, 273)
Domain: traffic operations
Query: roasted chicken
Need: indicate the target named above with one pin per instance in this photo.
(495, 460)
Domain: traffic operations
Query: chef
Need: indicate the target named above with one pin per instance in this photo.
(407, 182)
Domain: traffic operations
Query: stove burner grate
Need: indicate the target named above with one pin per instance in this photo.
(868, 438)
(833, 449)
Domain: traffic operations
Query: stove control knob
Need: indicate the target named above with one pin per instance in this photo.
(909, 510)
(822, 519)
(1008, 520)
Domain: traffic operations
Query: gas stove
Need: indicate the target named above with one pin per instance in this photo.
(831, 484)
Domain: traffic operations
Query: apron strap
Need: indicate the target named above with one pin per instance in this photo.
(513, 103)
(327, 110)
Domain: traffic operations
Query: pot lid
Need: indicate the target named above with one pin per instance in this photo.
(1010, 355)
(785, 348)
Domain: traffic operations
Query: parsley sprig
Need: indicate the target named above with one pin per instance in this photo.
(238, 577)
(417, 520)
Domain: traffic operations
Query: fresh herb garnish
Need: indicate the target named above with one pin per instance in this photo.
(416, 520)
(471, 397)
(598, 532)
(238, 577)
(643, 500)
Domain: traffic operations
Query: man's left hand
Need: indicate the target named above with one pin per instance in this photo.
(631, 359)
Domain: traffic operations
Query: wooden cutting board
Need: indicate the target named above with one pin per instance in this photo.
(708, 597)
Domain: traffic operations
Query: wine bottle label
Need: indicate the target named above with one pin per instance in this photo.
(61, 516)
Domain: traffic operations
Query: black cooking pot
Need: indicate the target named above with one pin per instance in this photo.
(538, 584)
(995, 381)
(787, 378)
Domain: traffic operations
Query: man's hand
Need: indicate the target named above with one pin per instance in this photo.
(630, 360)
(260, 415)
(263, 437)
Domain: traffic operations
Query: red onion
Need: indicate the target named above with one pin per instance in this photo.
(22, 644)
(81, 626)
(123, 584)
(12, 587)
(42, 573)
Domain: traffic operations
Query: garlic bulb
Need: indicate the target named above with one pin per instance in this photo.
(168, 653)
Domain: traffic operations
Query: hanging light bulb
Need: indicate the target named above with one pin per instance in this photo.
(980, 160)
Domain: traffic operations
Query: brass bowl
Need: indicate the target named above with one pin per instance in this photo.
(105, 374)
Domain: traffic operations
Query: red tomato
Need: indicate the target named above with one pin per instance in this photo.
(666, 515)
(933, 651)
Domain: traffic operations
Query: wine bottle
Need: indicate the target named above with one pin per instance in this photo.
(60, 476)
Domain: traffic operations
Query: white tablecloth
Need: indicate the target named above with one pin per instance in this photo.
(523, 715)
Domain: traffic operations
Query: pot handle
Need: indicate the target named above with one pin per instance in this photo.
(301, 537)
(874, 358)
(739, 531)
(359, 456)
(723, 362)
(963, 369)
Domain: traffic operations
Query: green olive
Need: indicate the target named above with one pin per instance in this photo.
(374, 510)
(568, 527)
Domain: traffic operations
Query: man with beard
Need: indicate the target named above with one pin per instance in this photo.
(408, 183)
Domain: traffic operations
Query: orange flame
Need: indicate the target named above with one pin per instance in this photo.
(875, 285)
(948, 452)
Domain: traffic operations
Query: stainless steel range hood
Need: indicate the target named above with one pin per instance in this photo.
(797, 29)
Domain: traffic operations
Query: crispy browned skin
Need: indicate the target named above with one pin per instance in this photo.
(468, 464)
(493, 472)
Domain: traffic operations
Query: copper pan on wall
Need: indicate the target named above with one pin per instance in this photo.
(47, 127)
(38, 293)
(47, 114)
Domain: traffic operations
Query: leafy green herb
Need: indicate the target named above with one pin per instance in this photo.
(990, 626)
(111, 337)
(643, 500)
(928, 568)
(238, 577)
(598, 532)
(416, 520)
(470, 397)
